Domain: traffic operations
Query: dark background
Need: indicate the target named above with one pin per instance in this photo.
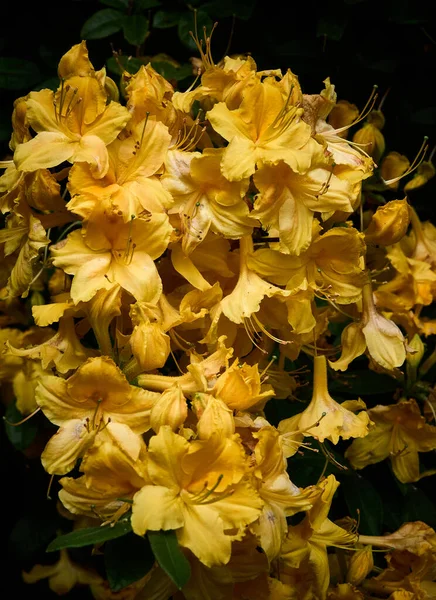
(355, 43)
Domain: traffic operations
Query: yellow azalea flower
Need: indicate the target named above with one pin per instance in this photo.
(330, 266)
(148, 92)
(204, 199)
(345, 591)
(114, 470)
(125, 257)
(62, 349)
(424, 236)
(83, 404)
(288, 201)
(422, 175)
(24, 385)
(250, 289)
(23, 238)
(225, 82)
(281, 497)
(39, 190)
(73, 124)
(265, 129)
(241, 387)
(130, 186)
(63, 575)
(11, 364)
(400, 433)
(304, 550)
(197, 489)
(325, 418)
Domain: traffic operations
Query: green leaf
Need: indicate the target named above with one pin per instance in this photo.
(118, 4)
(364, 503)
(169, 556)
(145, 4)
(90, 536)
(127, 559)
(129, 63)
(102, 24)
(169, 71)
(187, 24)
(135, 28)
(18, 74)
(164, 19)
(20, 436)
(331, 26)
(417, 506)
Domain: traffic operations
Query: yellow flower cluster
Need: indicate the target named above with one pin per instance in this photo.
(204, 239)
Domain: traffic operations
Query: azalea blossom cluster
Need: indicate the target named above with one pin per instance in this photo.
(180, 250)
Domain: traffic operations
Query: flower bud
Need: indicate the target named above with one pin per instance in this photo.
(240, 387)
(424, 173)
(361, 563)
(384, 340)
(213, 416)
(150, 346)
(171, 409)
(389, 223)
(393, 166)
(370, 136)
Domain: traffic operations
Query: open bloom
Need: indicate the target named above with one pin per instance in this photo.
(74, 124)
(400, 433)
(120, 253)
(199, 490)
(84, 404)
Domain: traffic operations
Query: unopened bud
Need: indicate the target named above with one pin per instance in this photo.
(171, 409)
(213, 416)
(361, 563)
(371, 137)
(389, 223)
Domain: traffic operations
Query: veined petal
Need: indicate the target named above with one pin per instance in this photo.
(166, 450)
(110, 123)
(47, 149)
(55, 402)
(156, 507)
(239, 159)
(203, 533)
(140, 277)
(90, 278)
(67, 445)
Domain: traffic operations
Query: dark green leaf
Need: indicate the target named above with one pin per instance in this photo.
(145, 4)
(135, 28)
(18, 74)
(332, 27)
(164, 19)
(417, 506)
(90, 536)
(127, 559)
(20, 436)
(129, 63)
(363, 502)
(102, 24)
(187, 24)
(169, 556)
(118, 4)
(169, 71)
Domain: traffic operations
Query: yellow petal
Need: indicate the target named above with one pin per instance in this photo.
(47, 149)
(68, 444)
(156, 507)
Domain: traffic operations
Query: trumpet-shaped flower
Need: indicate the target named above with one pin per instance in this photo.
(124, 255)
(199, 490)
(82, 406)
